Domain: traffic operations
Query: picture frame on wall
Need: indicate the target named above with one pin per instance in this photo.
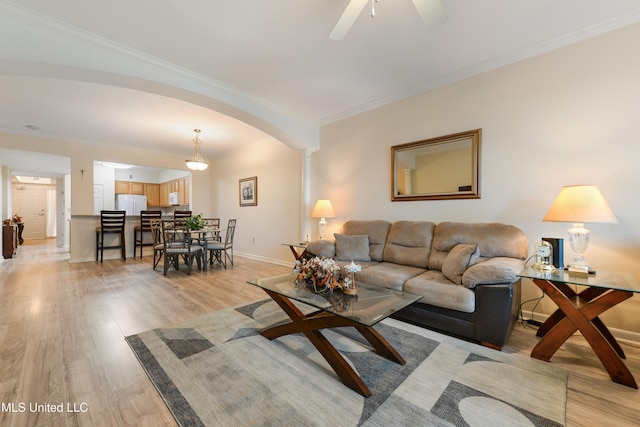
(248, 191)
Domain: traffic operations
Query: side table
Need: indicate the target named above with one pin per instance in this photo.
(294, 249)
(579, 310)
(9, 240)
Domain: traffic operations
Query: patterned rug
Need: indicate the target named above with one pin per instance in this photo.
(217, 370)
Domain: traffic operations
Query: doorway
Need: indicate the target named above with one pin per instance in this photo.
(35, 204)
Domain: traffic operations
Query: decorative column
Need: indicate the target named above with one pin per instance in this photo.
(305, 199)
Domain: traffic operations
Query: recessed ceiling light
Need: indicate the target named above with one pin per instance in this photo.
(34, 180)
(32, 127)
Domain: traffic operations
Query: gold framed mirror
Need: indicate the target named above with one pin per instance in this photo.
(442, 168)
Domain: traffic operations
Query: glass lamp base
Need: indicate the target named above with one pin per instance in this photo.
(579, 240)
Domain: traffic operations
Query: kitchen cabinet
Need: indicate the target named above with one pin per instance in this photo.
(122, 187)
(164, 194)
(136, 188)
(187, 197)
(183, 191)
(152, 191)
(128, 187)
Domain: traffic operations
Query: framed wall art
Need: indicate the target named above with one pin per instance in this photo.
(249, 191)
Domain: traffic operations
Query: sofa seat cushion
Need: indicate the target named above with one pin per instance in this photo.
(352, 247)
(439, 291)
(388, 275)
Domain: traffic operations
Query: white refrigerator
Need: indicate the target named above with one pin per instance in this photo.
(132, 203)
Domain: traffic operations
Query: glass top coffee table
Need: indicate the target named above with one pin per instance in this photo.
(371, 305)
(581, 299)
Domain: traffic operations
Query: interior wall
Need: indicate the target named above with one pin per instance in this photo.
(566, 117)
(261, 229)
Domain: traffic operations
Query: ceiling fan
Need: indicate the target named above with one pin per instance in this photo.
(431, 12)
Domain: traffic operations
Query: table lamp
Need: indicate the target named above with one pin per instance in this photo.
(323, 210)
(579, 204)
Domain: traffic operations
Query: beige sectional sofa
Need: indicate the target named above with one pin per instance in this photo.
(466, 273)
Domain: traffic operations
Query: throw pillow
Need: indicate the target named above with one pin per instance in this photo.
(352, 247)
(460, 258)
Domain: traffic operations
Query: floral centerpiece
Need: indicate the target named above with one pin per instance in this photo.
(196, 222)
(320, 274)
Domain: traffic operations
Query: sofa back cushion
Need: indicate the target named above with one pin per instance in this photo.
(493, 240)
(377, 231)
(409, 243)
(354, 247)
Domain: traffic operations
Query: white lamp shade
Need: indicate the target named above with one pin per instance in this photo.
(580, 204)
(323, 209)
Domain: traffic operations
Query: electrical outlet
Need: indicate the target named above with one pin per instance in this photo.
(253, 240)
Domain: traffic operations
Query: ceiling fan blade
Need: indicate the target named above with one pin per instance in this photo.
(347, 19)
(432, 13)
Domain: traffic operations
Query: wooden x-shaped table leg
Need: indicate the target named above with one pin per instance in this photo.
(580, 311)
(310, 325)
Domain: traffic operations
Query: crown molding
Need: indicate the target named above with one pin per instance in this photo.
(498, 62)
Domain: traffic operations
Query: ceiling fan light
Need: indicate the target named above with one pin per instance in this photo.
(197, 163)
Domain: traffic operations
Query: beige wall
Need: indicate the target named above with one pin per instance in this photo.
(261, 229)
(566, 117)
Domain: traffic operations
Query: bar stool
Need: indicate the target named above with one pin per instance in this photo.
(181, 214)
(143, 227)
(111, 222)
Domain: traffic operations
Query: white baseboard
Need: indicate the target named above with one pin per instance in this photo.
(265, 259)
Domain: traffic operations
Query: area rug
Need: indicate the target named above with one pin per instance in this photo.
(217, 370)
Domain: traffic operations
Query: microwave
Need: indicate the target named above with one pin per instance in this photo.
(173, 198)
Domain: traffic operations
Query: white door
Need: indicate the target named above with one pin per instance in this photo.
(30, 202)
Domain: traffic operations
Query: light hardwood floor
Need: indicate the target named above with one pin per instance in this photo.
(62, 329)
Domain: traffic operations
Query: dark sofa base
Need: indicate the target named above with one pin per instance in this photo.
(490, 325)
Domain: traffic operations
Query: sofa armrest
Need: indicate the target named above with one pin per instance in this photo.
(494, 270)
(496, 312)
(322, 248)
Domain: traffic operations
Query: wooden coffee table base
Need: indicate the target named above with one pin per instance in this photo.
(311, 324)
(580, 311)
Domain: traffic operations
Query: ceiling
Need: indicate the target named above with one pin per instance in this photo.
(146, 73)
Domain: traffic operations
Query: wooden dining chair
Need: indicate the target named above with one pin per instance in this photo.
(155, 225)
(142, 228)
(181, 214)
(223, 251)
(111, 223)
(179, 245)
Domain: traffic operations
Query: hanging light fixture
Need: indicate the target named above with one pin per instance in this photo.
(197, 163)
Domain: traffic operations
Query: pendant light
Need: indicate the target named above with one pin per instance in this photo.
(197, 163)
